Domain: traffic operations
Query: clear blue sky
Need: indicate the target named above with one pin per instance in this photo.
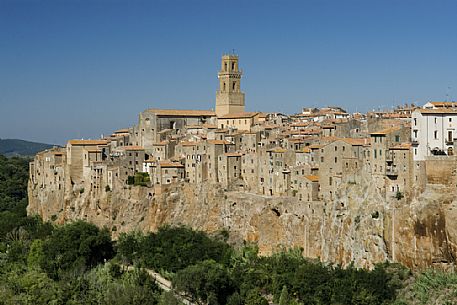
(74, 69)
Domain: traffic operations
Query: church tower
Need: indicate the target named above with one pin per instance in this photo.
(229, 98)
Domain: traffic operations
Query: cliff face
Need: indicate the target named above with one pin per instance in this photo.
(358, 226)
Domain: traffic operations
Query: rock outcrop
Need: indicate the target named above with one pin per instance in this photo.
(357, 226)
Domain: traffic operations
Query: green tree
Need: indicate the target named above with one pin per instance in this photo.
(206, 282)
(76, 246)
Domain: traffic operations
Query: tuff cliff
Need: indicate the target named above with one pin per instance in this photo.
(357, 226)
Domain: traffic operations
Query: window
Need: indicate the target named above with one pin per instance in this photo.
(336, 159)
(225, 66)
(415, 122)
(450, 120)
(435, 120)
(435, 134)
(233, 85)
(233, 66)
(397, 138)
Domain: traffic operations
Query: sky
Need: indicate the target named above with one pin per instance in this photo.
(72, 69)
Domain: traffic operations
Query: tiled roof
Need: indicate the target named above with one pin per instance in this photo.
(233, 154)
(433, 111)
(239, 115)
(218, 142)
(124, 130)
(312, 178)
(170, 164)
(87, 142)
(277, 150)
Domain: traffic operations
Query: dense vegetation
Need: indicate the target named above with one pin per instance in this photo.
(14, 147)
(78, 263)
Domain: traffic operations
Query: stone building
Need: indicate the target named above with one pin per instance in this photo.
(239, 121)
(229, 168)
(152, 122)
(229, 98)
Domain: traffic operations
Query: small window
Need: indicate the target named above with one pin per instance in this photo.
(435, 134)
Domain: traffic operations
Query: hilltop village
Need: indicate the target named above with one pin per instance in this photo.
(306, 155)
(310, 157)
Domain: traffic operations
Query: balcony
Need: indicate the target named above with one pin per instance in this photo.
(415, 142)
(391, 171)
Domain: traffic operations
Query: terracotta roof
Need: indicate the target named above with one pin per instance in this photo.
(443, 104)
(431, 111)
(315, 146)
(160, 143)
(210, 126)
(87, 142)
(312, 178)
(306, 150)
(277, 150)
(218, 142)
(170, 164)
(386, 131)
(124, 130)
(180, 112)
(239, 115)
(356, 142)
(233, 154)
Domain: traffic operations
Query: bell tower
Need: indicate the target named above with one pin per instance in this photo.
(229, 98)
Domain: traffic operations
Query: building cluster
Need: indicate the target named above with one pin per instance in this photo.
(309, 155)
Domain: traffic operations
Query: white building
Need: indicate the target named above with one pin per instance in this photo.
(433, 131)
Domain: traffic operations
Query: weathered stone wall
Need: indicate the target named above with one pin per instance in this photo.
(358, 225)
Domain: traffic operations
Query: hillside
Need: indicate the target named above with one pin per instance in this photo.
(15, 147)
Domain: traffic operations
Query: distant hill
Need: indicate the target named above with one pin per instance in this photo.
(14, 147)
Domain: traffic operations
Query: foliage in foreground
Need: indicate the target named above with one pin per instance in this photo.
(43, 264)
